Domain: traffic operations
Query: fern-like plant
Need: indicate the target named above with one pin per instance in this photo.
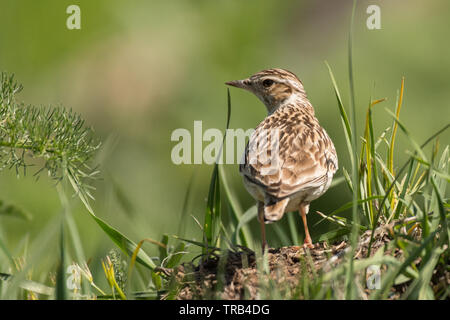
(54, 134)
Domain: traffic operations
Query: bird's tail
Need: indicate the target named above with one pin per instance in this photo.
(273, 211)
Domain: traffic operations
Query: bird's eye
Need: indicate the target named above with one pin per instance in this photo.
(267, 83)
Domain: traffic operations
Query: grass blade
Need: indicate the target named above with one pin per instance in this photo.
(394, 129)
(420, 288)
(125, 244)
(212, 222)
(392, 274)
(61, 289)
(244, 232)
(343, 114)
(197, 243)
(350, 284)
(370, 155)
(249, 215)
(416, 146)
(436, 134)
(213, 210)
(293, 228)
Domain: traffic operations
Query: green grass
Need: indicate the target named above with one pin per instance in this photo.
(412, 195)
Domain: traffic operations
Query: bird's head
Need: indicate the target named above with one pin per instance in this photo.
(273, 87)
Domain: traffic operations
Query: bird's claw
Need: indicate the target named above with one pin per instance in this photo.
(308, 245)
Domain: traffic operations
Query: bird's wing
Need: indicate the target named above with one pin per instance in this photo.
(306, 155)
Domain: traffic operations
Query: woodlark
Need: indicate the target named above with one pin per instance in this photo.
(302, 156)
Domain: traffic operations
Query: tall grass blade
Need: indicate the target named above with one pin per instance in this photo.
(39, 248)
(186, 206)
(249, 215)
(343, 114)
(212, 222)
(349, 205)
(399, 206)
(350, 284)
(389, 278)
(441, 209)
(30, 285)
(175, 257)
(394, 129)
(243, 231)
(440, 131)
(213, 210)
(416, 146)
(125, 244)
(197, 243)
(370, 156)
(281, 234)
(390, 162)
(293, 228)
(61, 288)
(75, 236)
(134, 257)
(420, 288)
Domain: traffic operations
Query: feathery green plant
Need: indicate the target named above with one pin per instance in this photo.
(56, 135)
(58, 140)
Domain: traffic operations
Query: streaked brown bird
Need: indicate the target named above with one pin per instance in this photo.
(289, 160)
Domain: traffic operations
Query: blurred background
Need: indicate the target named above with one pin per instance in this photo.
(137, 70)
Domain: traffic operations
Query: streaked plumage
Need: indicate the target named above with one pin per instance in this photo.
(307, 158)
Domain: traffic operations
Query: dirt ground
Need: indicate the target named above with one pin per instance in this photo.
(240, 273)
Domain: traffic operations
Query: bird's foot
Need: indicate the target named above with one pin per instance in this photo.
(308, 244)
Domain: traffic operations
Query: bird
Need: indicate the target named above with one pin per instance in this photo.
(302, 157)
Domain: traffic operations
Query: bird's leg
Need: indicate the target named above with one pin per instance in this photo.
(263, 226)
(303, 211)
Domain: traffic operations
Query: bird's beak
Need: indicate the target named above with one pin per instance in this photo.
(243, 84)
